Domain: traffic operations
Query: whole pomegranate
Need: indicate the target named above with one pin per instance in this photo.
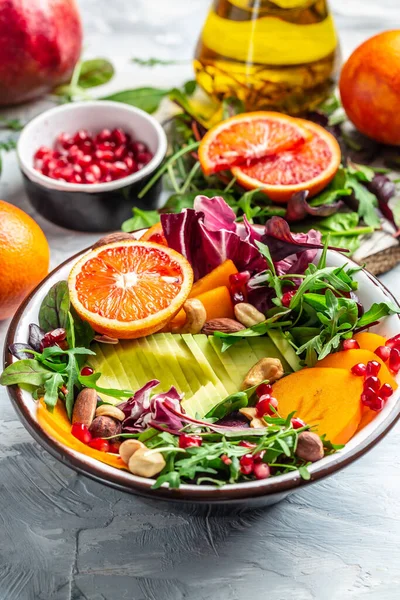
(370, 87)
(40, 43)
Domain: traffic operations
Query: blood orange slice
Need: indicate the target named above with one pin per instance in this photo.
(155, 234)
(249, 136)
(131, 288)
(309, 166)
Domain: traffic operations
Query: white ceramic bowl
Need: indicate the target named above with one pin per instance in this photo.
(250, 493)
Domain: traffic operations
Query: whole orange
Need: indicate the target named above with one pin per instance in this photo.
(370, 87)
(24, 257)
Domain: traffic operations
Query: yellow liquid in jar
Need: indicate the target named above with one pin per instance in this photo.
(280, 55)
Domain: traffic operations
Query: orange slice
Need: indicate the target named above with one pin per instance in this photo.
(155, 234)
(249, 136)
(130, 289)
(308, 166)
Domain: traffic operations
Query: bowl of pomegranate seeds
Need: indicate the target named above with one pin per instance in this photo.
(85, 163)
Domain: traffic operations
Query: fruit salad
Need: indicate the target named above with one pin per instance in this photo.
(209, 351)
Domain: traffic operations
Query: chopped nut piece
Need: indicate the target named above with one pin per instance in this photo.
(109, 410)
(265, 369)
(128, 448)
(251, 413)
(146, 463)
(248, 315)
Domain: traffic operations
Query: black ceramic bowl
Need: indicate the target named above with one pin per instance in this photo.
(99, 206)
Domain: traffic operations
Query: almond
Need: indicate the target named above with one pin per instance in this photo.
(85, 407)
(223, 324)
(309, 446)
(116, 236)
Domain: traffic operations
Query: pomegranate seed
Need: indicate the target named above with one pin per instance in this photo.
(138, 147)
(237, 297)
(95, 170)
(226, 460)
(42, 152)
(86, 371)
(62, 162)
(373, 368)
(261, 470)
(76, 178)
(144, 157)
(238, 280)
(246, 464)
(87, 146)
(286, 298)
(104, 154)
(188, 441)
(377, 404)
(394, 342)
(64, 141)
(297, 423)
(120, 152)
(383, 352)
(259, 456)
(90, 178)
(264, 389)
(104, 135)
(58, 335)
(350, 345)
(394, 360)
(359, 369)
(368, 396)
(130, 163)
(100, 444)
(119, 165)
(114, 447)
(373, 383)
(84, 160)
(246, 444)
(386, 391)
(81, 432)
(81, 136)
(263, 406)
(119, 136)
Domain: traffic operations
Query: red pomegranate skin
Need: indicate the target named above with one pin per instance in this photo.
(40, 43)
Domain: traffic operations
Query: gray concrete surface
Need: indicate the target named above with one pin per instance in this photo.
(64, 537)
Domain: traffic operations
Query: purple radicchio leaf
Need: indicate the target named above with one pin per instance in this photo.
(36, 334)
(217, 213)
(234, 420)
(258, 294)
(187, 233)
(135, 407)
(283, 243)
(384, 189)
(298, 208)
(20, 351)
(161, 415)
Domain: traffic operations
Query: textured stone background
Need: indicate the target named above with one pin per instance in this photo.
(64, 537)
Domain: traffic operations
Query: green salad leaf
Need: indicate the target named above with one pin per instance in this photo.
(54, 309)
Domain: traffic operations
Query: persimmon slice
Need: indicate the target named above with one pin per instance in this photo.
(131, 288)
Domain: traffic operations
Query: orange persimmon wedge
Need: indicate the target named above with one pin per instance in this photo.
(216, 278)
(217, 302)
(57, 426)
(326, 398)
(346, 359)
(369, 341)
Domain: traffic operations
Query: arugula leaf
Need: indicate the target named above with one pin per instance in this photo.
(90, 381)
(51, 386)
(256, 330)
(13, 124)
(53, 312)
(140, 219)
(377, 312)
(304, 473)
(154, 62)
(28, 371)
(146, 98)
(172, 478)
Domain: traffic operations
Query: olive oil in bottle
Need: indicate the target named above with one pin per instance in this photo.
(277, 55)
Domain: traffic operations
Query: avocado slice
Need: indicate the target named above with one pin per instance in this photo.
(286, 350)
(215, 361)
(130, 351)
(169, 356)
(202, 401)
(204, 364)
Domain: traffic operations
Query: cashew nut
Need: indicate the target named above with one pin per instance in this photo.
(248, 315)
(196, 316)
(266, 369)
(251, 414)
(128, 448)
(109, 410)
(146, 463)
